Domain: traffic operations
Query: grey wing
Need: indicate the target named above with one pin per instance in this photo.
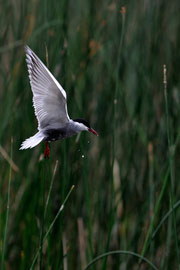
(49, 98)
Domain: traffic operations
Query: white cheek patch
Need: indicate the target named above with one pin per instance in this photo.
(81, 126)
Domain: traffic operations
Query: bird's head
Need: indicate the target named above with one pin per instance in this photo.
(84, 125)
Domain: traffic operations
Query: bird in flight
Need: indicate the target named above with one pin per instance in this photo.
(50, 106)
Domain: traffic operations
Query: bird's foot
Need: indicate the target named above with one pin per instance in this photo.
(47, 151)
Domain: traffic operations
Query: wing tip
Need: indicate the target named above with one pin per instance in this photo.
(28, 51)
(26, 48)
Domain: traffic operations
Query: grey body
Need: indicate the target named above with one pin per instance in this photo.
(54, 134)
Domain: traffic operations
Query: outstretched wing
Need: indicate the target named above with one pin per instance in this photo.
(49, 98)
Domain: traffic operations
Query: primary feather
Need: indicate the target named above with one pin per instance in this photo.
(49, 98)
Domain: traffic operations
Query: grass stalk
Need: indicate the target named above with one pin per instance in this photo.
(114, 144)
(51, 226)
(46, 176)
(7, 211)
(151, 193)
(88, 205)
(117, 86)
(120, 252)
(50, 188)
(166, 216)
(156, 211)
(171, 164)
(43, 191)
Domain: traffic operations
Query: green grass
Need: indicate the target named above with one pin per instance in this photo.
(124, 210)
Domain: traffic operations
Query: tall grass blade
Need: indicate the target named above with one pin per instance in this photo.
(7, 211)
(120, 252)
(171, 164)
(50, 227)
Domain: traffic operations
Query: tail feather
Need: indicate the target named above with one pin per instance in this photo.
(32, 141)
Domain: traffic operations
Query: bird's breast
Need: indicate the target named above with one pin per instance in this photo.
(58, 134)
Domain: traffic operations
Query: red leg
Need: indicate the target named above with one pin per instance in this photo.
(47, 151)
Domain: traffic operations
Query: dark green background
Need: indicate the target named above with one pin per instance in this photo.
(111, 65)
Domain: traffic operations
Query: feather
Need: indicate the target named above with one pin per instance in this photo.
(32, 141)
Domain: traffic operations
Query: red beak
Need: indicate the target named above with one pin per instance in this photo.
(93, 131)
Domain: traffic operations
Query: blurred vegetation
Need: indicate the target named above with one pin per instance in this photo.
(109, 57)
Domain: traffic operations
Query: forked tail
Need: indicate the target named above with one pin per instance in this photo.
(32, 141)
